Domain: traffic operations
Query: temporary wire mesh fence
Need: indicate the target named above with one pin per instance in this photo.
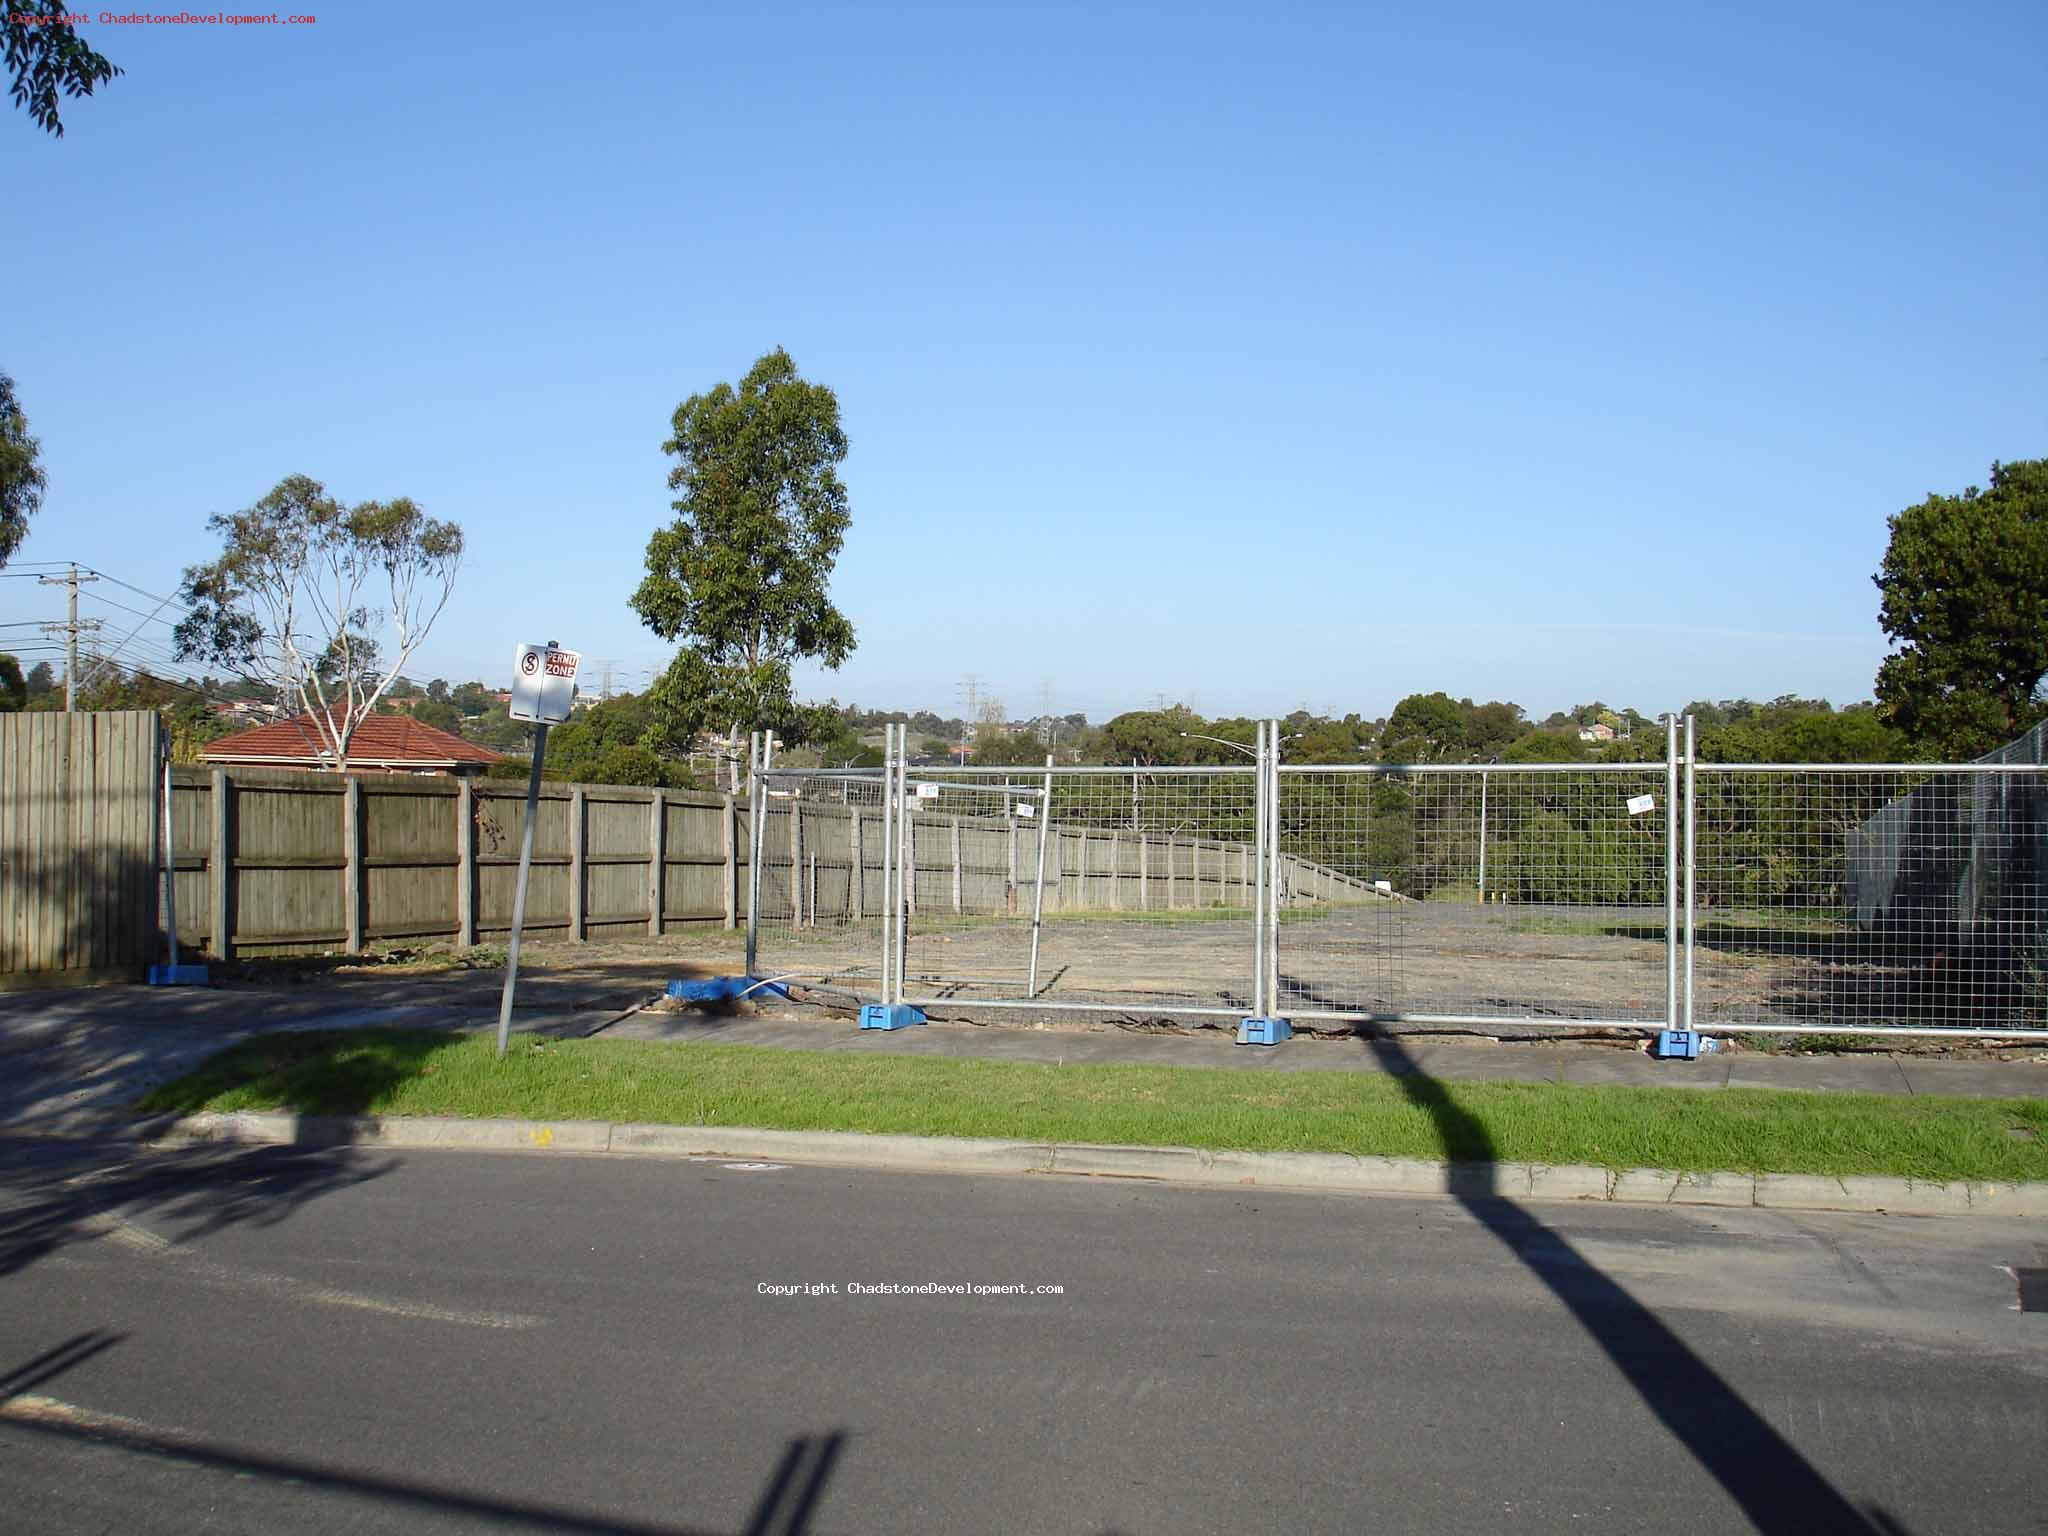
(1870, 898)
(1502, 895)
(816, 875)
(1137, 885)
(1788, 898)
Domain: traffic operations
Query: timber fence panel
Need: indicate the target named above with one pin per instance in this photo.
(411, 864)
(78, 818)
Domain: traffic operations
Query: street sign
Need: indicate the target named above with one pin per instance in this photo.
(543, 683)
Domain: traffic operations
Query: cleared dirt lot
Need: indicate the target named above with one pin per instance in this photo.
(1513, 963)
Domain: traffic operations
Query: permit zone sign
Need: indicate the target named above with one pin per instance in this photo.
(543, 683)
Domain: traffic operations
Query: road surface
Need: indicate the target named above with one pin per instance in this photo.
(368, 1342)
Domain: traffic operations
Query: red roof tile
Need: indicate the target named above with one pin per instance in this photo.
(382, 741)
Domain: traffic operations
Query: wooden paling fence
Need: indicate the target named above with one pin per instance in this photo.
(77, 838)
(272, 861)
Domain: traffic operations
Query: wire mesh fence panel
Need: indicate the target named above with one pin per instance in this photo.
(1505, 894)
(818, 898)
(1839, 898)
(1139, 885)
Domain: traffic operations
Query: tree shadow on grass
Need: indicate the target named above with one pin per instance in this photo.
(310, 1071)
(1777, 1488)
(56, 1194)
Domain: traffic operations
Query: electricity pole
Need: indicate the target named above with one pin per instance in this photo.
(70, 629)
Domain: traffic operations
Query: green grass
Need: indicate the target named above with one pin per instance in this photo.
(420, 1072)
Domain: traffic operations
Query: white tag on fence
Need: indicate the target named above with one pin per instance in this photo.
(1026, 810)
(1641, 805)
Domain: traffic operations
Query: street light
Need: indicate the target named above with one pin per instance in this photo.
(1222, 741)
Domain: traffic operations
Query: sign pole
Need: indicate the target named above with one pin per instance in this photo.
(540, 752)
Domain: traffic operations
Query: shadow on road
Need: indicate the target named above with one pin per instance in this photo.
(786, 1506)
(54, 1362)
(1778, 1489)
(70, 1192)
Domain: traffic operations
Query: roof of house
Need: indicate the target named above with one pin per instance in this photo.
(381, 741)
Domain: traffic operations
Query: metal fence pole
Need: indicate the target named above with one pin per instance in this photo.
(1259, 859)
(888, 858)
(1038, 890)
(1482, 835)
(1691, 851)
(754, 819)
(906, 861)
(170, 845)
(1671, 872)
(1273, 853)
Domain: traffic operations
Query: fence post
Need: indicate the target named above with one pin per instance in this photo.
(796, 860)
(1172, 858)
(956, 866)
(857, 874)
(657, 863)
(1144, 874)
(754, 821)
(1010, 876)
(1273, 852)
(1259, 915)
(1691, 858)
(729, 819)
(220, 870)
(576, 859)
(1116, 870)
(1482, 834)
(909, 876)
(352, 861)
(1670, 871)
(465, 862)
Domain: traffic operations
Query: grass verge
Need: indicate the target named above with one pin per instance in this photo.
(420, 1072)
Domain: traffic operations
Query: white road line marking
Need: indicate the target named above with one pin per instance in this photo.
(141, 1240)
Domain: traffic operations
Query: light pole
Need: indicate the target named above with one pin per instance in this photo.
(1223, 742)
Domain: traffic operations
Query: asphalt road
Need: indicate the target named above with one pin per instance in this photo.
(360, 1342)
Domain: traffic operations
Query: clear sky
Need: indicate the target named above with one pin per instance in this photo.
(1249, 356)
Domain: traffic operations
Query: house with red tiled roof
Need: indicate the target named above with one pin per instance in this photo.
(382, 744)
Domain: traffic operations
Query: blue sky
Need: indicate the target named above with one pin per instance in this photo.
(1250, 357)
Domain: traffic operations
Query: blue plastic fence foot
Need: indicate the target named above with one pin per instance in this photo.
(889, 1016)
(1263, 1031)
(1677, 1045)
(725, 989)
(179, 976)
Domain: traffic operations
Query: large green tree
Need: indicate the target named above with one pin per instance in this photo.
(739, 580)
(21, 472)
(46, 57)
(1965, 603)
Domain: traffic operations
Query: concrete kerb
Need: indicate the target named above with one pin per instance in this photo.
(1326, 1171)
